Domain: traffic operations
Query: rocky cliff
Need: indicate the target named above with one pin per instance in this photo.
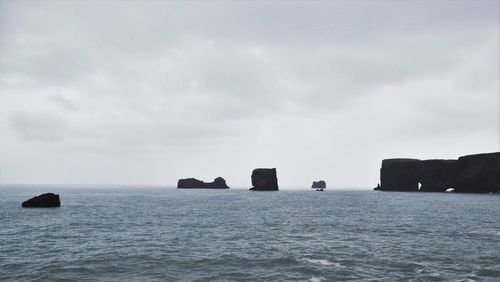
(478, 173)
(399, 175)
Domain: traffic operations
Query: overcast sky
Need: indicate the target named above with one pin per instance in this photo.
(132, 92)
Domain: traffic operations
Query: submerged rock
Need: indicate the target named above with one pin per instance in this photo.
(264, 179)
(319, 184)
(399, 175)
(478, 173)
(218, 183)
(48, 200)
(437, 175)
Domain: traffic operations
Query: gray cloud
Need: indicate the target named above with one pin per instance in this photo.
(34, 126)
(202, 88)
(63, 102)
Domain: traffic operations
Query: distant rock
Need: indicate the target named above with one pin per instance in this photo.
(264, 179)
(437, 175)
(48, 200)
(319, 184)
(193, 183)
(399, 175)
(478, 173)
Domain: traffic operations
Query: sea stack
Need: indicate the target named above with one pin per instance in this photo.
(193, 183)
(47, 200)
(319, 184)
(264, 179)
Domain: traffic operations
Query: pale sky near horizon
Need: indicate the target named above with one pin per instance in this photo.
(147, 92)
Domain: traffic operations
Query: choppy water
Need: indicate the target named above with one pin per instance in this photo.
(162, 234)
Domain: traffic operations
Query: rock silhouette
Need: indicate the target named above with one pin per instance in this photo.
(319, 184)
(478, 173)
(399, 175)
(264, 179)
(437, 175)
(193, 183)
(47, 200)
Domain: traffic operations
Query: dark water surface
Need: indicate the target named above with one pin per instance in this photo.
(163, 234)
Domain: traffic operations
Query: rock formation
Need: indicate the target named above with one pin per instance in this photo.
(399, 175)
(436, 175)
(478, 173)
(319, 184)
(264, 179)
(218, 183)
(48, 200)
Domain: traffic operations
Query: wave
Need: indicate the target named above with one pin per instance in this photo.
(322, 262)
(484, 233)
(316, 279)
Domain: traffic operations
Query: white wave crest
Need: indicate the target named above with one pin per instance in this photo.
(322, 262)
(316, 279)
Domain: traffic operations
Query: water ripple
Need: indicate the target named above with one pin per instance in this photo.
(160, 234)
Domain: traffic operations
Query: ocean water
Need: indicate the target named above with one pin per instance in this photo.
(164, 234)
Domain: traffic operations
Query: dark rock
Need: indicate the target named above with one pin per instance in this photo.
(264, 179)
(437, 175)
(478, 173)
(218, 183)
(399, 175)
(319, 184)
(48, 200)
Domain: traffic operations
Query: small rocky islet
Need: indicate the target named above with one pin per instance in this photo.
(47, 200)
(193, 183)
(321, 184)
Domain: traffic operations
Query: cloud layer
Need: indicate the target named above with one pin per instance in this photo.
(149, 92)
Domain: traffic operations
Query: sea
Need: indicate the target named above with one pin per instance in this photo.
(152, 233)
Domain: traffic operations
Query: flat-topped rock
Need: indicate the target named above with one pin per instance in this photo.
(399, 175)
(264, 179)
(478, 173)
(319, 184)
(193, 183)
(47, 200)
